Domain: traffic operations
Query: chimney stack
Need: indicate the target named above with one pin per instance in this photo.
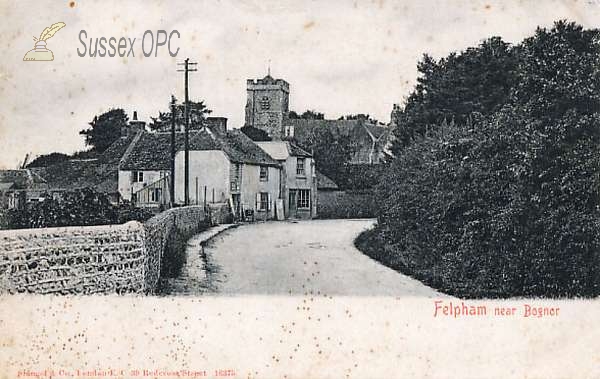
(217, 125)
(135, 125)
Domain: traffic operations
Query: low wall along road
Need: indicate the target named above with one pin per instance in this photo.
(93, 259)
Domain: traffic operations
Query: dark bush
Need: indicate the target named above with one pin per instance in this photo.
(506, 204)
(76, 208)
(359, 177)
(346, 204)
(173, 257)
(128, 212)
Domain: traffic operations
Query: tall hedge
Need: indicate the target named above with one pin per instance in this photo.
(508, 204)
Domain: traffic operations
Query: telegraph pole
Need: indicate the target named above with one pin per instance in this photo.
(172, 181)
(186, 142)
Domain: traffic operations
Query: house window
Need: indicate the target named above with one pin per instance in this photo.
(264, 173)
(156, 195)
(263, 201)
(137, 177)
(300, 167)
(236, 177)
(303, 199)
(289, 131)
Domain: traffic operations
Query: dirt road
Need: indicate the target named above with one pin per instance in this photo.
(295, 258)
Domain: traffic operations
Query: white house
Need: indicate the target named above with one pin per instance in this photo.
(224, 167)
(299, 181)
(229, 166)
(144, 170)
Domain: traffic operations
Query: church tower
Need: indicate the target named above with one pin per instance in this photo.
(267, 104)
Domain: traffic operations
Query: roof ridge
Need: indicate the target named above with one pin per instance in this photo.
(227, 145)
(131, 146)
(33, 173)
(198, 134)
(29, 176)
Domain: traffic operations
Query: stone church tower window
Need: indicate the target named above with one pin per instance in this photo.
(267, 105)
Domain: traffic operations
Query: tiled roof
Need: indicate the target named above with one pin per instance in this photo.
(354, 128)
(281, 150)
(21, 179)
(241, 148)
(117, 149)
(204, 141)
(152, 151)
(16, 177)
(359, 131)
(297, 151)
(325, 183)
(304, 126)
(77, 174)
(276, 149)
(6, 186)
(101, 174)
(235, 144)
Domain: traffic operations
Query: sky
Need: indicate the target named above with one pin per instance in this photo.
(340, 57)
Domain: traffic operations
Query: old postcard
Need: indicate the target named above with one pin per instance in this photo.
(300, 189)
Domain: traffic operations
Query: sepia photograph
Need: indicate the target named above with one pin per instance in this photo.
(300, 189)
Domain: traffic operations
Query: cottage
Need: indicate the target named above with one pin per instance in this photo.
(20, 186)
(99, 173)
(299, 182)
(77, 174)
(227, 166)
(145, 169)
(224, 167)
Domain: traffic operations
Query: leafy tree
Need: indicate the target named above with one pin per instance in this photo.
(359, 116)
(555, 114)
(330, 152)
(507, 204)
(84, 154)
(197, 113)
(50, 159)
(307, 115)
(255, 134)
(105, 129)
(475, 81)
(359, 177)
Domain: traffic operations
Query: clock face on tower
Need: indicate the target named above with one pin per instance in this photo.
(264, 103)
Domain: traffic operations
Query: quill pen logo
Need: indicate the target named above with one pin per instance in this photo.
(40, 52)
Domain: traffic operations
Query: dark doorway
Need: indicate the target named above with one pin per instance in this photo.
(235, 198)
(292, 203)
